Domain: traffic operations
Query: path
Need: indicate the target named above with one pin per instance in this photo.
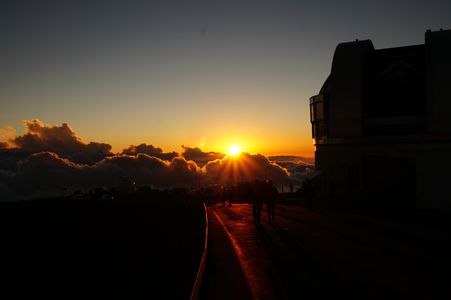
(314, 254)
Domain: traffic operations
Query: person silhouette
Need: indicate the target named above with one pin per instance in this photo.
(229, 195)
(256, 209)
(224, 196)
(256, 196)
(271, 195)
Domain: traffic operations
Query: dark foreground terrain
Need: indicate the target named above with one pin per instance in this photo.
(131, 247)
(150, 246)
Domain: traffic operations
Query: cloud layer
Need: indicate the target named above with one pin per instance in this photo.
(200, 157)
(46, 171)
(47, 158)
(149, 150)
(62, 140)
(244, 167)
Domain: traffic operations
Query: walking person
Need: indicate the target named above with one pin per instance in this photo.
(230, 195)
(256, 196)
(271, 197)
(256, 209)
(224, 196)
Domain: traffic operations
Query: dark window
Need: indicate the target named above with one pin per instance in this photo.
(318, 117)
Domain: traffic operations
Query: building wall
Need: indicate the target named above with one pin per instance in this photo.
(401, 176)
(406, 165)
(438, 80)
(347, 89)
(436, 179)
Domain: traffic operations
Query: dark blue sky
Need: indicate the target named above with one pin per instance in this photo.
(204, 73)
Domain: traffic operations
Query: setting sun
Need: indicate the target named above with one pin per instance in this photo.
(234, 150)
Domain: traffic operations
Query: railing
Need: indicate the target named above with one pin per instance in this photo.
(200, 271)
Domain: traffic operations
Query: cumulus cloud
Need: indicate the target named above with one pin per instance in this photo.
(294, 164)
(299, 167)
(200, 157)
(62, 140)
(6, 133)
(47, 171)
(149, 150)
(245, 167)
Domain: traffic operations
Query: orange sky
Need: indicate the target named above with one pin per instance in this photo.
(190, 73)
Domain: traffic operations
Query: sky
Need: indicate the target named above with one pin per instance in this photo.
(196, 73)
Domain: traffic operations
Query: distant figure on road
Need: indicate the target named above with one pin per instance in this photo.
(229, 194)
(257, 203)
(271, 195)
(263, 192)
(255, 197)
(224, 196)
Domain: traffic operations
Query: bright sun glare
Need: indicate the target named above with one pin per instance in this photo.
(234, 150)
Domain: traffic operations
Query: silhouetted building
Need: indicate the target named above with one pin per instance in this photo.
(381, 124)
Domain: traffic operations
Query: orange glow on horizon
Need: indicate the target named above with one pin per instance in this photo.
(250, 142)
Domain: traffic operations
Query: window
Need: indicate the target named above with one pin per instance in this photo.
(317, 108)
(318, 117)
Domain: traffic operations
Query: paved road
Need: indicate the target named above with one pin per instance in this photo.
(223, 278)
(272, 267)
(318, 254)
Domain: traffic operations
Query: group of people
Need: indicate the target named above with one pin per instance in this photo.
(258, 193)
(263, 193)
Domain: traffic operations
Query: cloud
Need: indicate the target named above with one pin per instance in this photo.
(62, 140)
(244, 167)
(295, 166)
(9, 157)
(48, 158)
(47, 171)
(149, 150)
(299, 167)
(201, 158)
(293, 159)
(6, 133)
(150, 170)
